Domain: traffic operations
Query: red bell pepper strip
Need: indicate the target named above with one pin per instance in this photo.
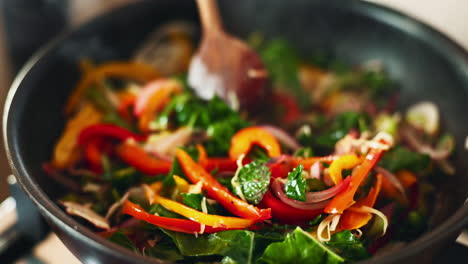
(174, 224)
(220, 164)
(243, 140)
(290, 106)
(141, 160)
(93, 151)
(285, 213)
(352, 220)
(217, 191)
(107, 130)
(345, 199)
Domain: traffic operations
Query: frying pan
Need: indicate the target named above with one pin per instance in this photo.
(426, 65)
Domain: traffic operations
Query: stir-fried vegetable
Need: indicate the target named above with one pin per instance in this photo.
(154, 168)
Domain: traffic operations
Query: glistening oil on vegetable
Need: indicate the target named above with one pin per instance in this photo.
(331, 174)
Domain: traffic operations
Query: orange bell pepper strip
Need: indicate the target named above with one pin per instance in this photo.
(308, 162)
(348, 161)
(351, 219)
(217, 191)
(128, 70)
(345, 199)
(126, 101)
(243, 140)
(156, 96)
(174, 224)
(141, 160)
(219, 164)
(66, 150)
(203, 218)
(407, 178)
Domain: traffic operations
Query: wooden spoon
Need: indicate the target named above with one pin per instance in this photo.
(224, 65)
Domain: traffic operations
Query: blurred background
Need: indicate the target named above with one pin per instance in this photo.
(26, 25)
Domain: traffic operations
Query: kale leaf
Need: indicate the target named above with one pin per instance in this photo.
(282, 62)
(341, 126)
(347, 246)
(120, 238)
(299, 247)
(251, 181)
(401, 158)
(242, 246)
(295, 187)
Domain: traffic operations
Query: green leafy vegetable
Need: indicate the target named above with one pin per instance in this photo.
(251, 181)
(120, 238)
(299, 247)
(315, 185)
(214, 116)
(164, 249)
(295, 187)
(282, 62)
(304, 152)
(242, 246)
(194, 200)
(341, 126)
(400, 158)
(347, 246)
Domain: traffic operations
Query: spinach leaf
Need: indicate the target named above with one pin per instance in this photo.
(120, 238)
(251, 181)
(400, 158)
(282, 62)
(164, 249)
(194, 200)
(299, 247)
(214, 116)
(295, 188)
(341, 126)
(347, 246)
(242, 246)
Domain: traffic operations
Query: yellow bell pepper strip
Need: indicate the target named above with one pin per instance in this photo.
(351, 219)
(153, 98)
(174, 224)
(182, 185)
(243, 140)
(345, 199)
(141, 160)
(128, 70)
(202, 218)
(66, 151)
(347, 161)
(217, 191)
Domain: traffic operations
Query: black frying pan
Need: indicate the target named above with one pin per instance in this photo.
(426, 64)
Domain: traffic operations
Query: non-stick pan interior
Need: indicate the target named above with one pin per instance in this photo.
(424, 64)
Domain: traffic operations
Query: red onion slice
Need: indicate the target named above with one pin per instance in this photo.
(315, 170)
(319, 202)
(282, 136)
(421, 147)
(314, 197)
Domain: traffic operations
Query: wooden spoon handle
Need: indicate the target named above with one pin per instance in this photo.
(209, 14)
